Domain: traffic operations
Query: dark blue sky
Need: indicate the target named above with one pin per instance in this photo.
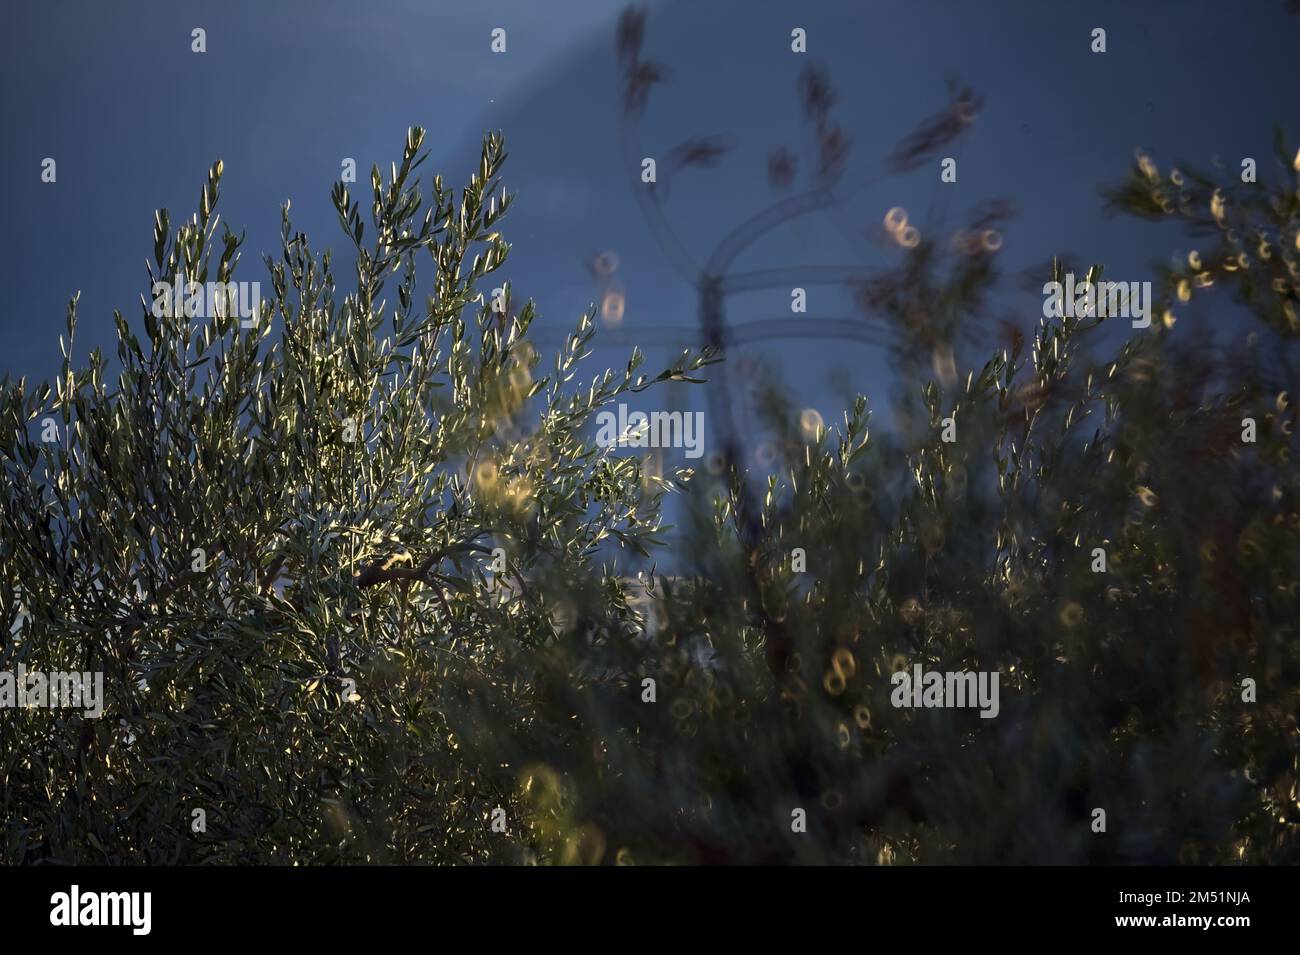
(288, 89)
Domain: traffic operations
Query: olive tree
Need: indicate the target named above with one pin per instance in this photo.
(324, 555)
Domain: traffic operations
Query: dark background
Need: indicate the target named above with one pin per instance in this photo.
(286, 90)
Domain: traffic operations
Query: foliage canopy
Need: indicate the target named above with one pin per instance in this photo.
(244, 526)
